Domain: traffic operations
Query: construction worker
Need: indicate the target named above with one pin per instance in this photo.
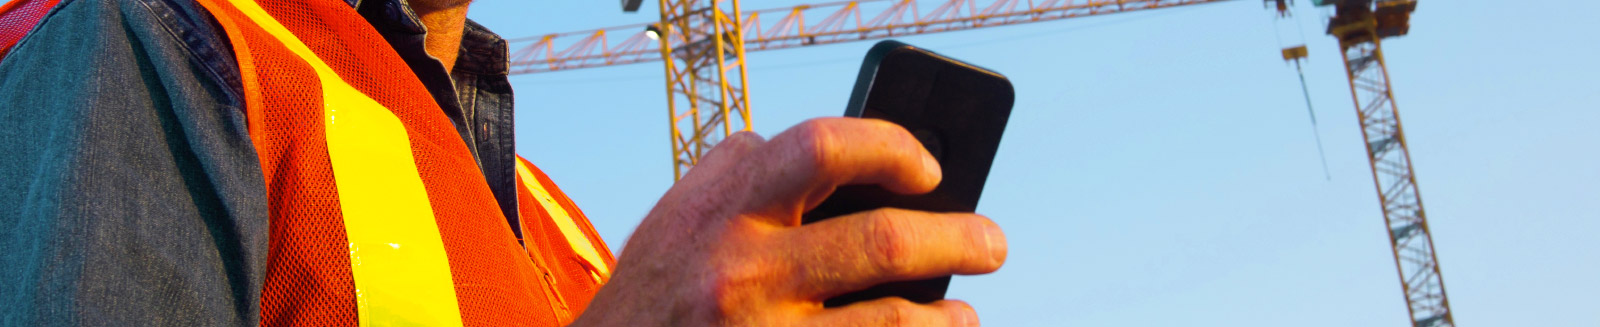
(325, 162)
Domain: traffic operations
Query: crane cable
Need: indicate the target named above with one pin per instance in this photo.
(1306, 91)
(1315, 131)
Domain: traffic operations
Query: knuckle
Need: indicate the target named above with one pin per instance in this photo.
(815, 140)
(744, 138)
(729, 288)
(888, 243)
(898, 312)
(895, 133)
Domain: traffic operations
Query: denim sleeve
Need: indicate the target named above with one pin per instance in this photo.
(130, 193)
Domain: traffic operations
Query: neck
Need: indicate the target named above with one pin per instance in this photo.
(445, 24)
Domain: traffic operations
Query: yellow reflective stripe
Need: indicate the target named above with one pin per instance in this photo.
(568, 226)
(397, 257)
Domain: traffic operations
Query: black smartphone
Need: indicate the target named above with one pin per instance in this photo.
(957, 110)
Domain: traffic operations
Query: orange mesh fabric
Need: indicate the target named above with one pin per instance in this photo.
(555, 307)
(493, 280)
(17, 18)
(569, 273)
(308, 277)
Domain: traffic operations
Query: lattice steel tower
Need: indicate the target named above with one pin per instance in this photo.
(703, 44)
(1361, 26)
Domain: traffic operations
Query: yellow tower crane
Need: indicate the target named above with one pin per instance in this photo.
(704, 43)
(1361, 26)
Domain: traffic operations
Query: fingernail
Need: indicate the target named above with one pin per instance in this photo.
(931, 165)
(997, 244)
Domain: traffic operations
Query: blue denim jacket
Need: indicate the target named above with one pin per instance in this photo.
(130, 193)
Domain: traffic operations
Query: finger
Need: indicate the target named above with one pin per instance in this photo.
(856, 251)
(808, 161)
(726, 154)
(894, 311)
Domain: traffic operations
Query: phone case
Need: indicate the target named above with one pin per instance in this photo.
(957, 110)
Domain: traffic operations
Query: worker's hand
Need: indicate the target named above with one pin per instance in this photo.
(725, 246)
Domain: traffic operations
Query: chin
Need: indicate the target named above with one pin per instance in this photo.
(435, 4)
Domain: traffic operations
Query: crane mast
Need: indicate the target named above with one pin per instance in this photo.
(704, 43)
(1361, 27)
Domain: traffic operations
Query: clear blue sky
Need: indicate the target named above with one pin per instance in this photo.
(1159, 169)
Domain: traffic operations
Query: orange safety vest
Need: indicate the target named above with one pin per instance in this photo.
(17, 18)
(379, 214)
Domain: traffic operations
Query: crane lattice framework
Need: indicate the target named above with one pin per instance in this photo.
(1361, 27)
(706, 40)
(805, 25)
